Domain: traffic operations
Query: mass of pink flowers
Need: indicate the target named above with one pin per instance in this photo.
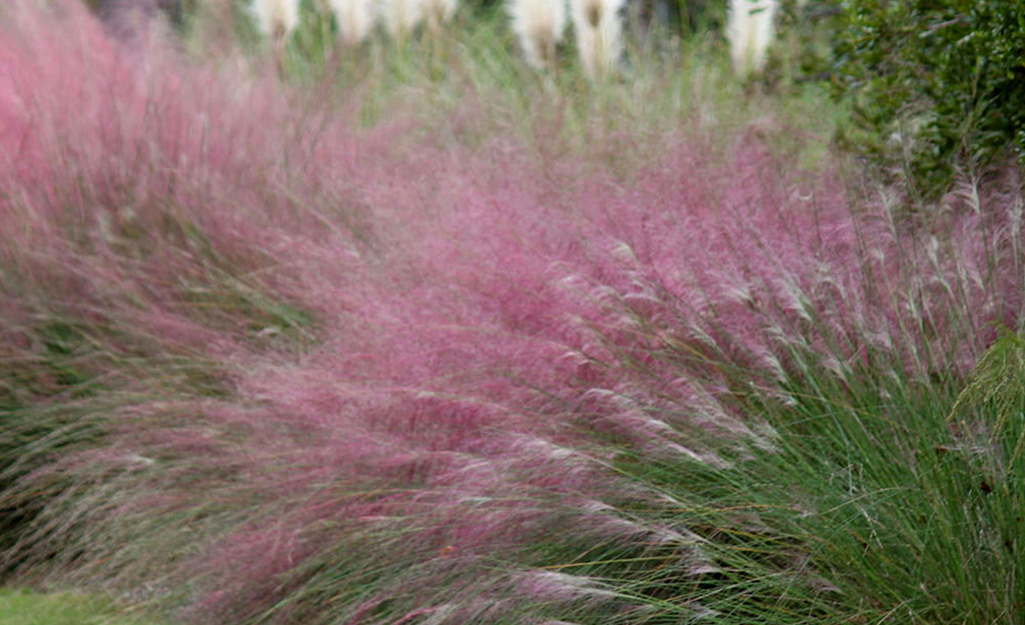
(424, 348)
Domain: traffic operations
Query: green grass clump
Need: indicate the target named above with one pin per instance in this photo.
(864, 499)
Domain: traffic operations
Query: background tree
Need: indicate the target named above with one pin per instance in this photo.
(938, 85)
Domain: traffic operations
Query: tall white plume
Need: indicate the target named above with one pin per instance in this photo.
(276, 19)
(539, 26)
(750, 29)
(439, 11)
(355, 19)
(599, 33)
(401, 17)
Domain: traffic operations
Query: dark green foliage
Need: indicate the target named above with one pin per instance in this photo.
(939, 85)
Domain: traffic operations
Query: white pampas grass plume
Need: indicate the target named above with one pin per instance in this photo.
(401, 16)
(599, 35)
(438, 12)
(750, 29)
(276, 19)
(355, 19)
(539, 25)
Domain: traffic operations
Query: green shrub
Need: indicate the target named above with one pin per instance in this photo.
(938, 85)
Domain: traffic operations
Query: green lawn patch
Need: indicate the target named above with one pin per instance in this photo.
(22, 607)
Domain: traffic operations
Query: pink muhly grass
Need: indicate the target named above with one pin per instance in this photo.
(419, 412)
(539, 26)
(598, 29)
(388, 407)
(488, 338)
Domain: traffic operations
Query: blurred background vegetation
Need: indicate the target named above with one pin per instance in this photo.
(938, 85)
(934, 87)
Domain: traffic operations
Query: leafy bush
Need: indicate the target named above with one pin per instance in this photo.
(938, 84)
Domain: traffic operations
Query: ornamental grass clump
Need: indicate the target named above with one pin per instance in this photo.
(216, 485)
(124, 280)
(826, 353)
(265, 368)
